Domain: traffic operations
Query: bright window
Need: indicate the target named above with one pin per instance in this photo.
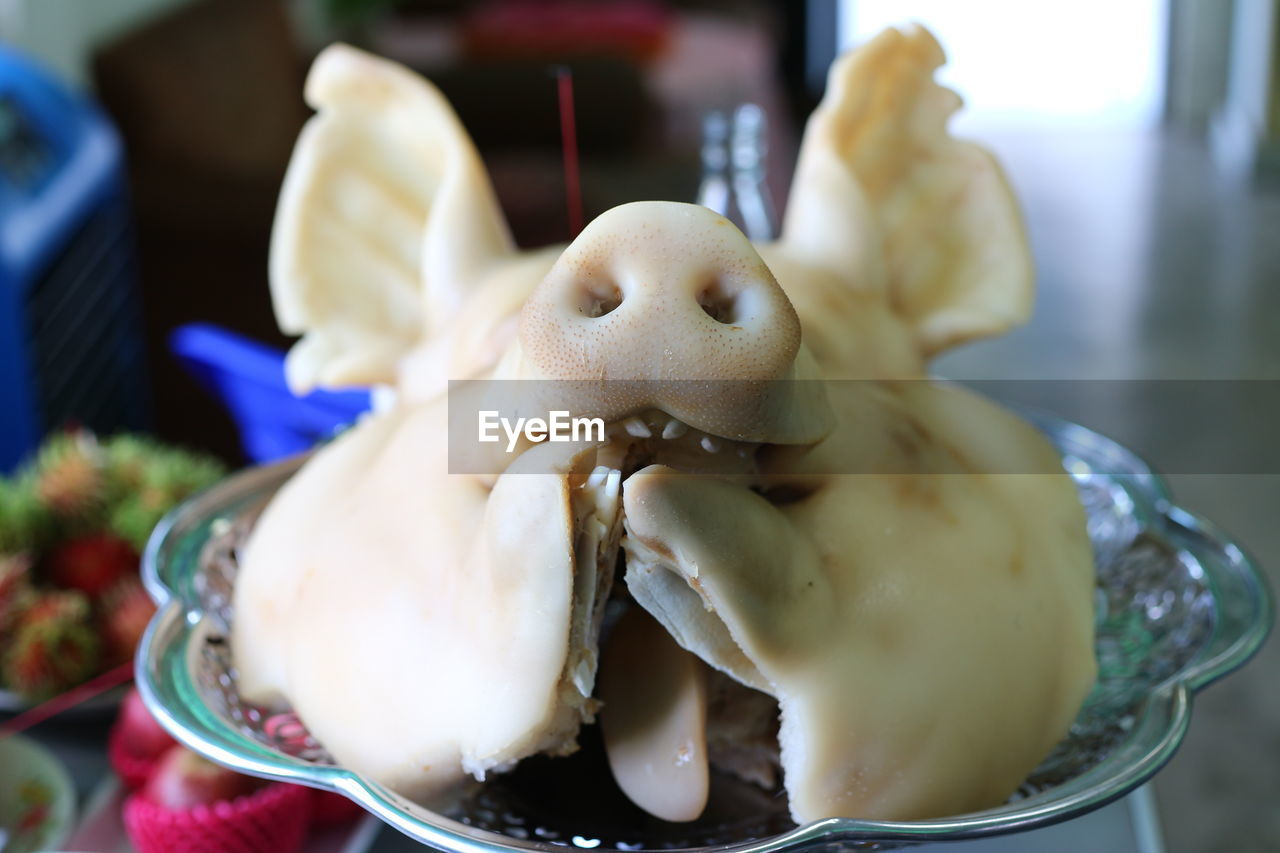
(1095, 62)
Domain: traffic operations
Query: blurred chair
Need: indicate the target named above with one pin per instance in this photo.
(70, 333)
(208, 99)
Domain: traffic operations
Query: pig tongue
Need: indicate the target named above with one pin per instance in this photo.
(654, 718)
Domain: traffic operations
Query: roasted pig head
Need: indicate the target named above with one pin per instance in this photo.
(811, 528)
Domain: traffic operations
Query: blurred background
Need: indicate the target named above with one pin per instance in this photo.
(143, 142)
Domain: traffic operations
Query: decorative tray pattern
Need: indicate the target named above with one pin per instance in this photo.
(1178, 606)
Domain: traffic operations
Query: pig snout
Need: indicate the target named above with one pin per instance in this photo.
(666, 305)
(658, 290)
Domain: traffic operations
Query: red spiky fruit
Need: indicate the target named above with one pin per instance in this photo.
(91, 564)
(68, 474)
(53, 648)
(125, 611)
(15, 590)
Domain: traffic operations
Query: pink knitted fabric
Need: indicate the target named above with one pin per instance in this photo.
(132, 769)
(271, 820)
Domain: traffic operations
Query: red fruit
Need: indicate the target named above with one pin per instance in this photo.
(53, 647)
(125, 611)
(68, 474)
(183, 780)
(139, 732)
(92, 564)
(15, 590)
(330, 809)
(132, 770)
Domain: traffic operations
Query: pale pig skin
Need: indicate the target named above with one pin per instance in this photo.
(926, 628)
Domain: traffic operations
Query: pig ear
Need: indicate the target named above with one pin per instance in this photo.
(883, 191)
(385, 219)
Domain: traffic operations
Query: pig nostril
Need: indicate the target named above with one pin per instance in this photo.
(718, 303)
(597, 301)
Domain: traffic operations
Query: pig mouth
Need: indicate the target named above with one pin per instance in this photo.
(601, 597)
(652, 437)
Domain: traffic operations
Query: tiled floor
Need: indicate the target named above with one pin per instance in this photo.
(1152, 266)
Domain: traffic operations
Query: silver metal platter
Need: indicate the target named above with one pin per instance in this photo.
(1178, 606)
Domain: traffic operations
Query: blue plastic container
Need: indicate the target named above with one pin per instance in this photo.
(71, 349)
(248, 377)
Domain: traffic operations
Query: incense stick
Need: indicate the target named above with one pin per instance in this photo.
(122, 674)
(569, 145)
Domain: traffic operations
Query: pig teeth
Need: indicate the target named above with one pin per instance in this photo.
(636, 427)
(584, 676)
(613, 485)
(597, 476)
(709, 445)
(674, 429)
